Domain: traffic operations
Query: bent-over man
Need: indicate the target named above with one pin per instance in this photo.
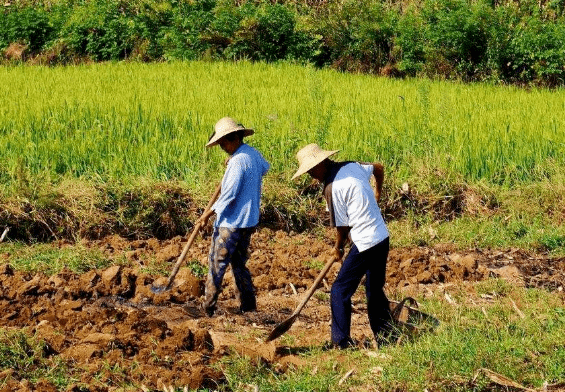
(354, 212)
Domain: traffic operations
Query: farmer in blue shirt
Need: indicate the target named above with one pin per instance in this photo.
(237, 214)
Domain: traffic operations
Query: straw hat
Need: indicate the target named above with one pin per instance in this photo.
(224, 127)
(309, 156)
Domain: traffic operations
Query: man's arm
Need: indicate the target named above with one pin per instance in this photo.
(379, 174)
(340, 240)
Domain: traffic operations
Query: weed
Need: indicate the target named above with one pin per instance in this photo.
(321, 296)
(198, 269)
(314, 264)
(29, 358)
(50, 259)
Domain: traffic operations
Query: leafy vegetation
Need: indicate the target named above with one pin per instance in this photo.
(23, 356)
(50, 260)
(508, 42)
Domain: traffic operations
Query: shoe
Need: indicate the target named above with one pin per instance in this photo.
(209, 310)
(248, 308)
(343, 345)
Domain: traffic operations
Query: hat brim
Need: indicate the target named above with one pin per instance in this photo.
(312, 164)
(216, 138)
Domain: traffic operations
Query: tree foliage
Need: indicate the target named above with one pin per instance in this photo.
(509, 42)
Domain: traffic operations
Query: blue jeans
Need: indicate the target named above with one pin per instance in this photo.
(372, 263)
(229, 246)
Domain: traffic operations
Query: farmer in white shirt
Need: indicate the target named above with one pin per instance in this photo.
(237, 214)
(354, 211)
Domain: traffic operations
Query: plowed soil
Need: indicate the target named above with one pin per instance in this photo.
(108, 318)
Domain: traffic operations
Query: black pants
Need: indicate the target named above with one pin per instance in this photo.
(372, 263)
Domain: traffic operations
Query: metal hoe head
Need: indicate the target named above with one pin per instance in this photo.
(158, 289)
(285, 325)
(281, 328)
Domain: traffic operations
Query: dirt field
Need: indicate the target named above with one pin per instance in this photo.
(108, 317)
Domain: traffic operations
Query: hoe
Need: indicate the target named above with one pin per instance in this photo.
(161, 289)
(285, 325)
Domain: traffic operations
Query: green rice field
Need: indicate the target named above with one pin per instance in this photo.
(129, 119)
(130, 122)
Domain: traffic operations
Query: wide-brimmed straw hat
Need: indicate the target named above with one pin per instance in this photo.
(224, 127)
(309, 156)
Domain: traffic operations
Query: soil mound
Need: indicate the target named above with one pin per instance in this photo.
(110, 319)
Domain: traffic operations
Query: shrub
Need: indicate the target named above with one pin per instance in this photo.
(275, 33)
(262, 32)
(151, 19)
(409, 44)
(100, 29)
(456, 37)
(356, 35)
(190, 19)
(515, 42)
(29, 26)
(537, 52)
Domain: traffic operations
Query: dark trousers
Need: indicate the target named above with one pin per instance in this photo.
(372, 263)
(229, 246)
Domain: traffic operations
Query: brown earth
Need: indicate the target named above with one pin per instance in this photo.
(110, 318)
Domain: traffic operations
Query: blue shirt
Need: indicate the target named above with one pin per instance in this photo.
(238, 203)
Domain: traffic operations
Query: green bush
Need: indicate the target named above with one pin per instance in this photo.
(456, 36)
(101, 30)
(498, 50)
(538, 52)
(409, 44)
(357, 35)
(260, 32)
(151, 19)
(511, 42)
(190, 21)
(29, 26)
(275, 32)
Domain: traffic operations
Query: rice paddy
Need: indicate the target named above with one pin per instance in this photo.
(118, 120)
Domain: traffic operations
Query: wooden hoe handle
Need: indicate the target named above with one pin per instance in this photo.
(195, 231)
(314, 286)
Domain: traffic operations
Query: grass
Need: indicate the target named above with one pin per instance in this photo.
(159, 116)
(475, 333)
(50, 259)
(27, 357)
(119, 148)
